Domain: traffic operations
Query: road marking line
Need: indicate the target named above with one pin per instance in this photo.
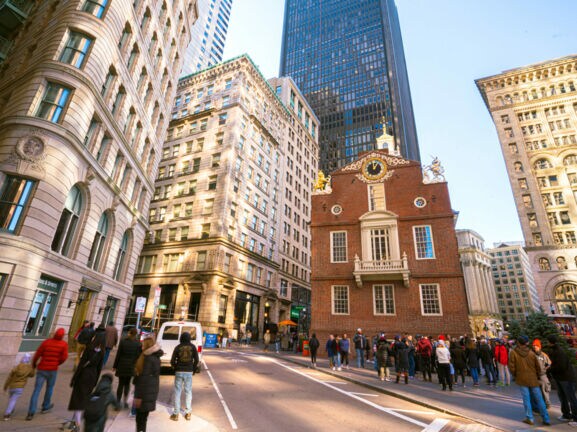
(336, 382)
(437, 425)
(222, 401)
(415, 411)
(351, 395)
(365, 394)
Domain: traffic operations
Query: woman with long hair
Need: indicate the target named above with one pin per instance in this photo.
(146, 382)
(85, 378)
(128, 352)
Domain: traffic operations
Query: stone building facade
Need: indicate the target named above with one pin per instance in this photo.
(230, 241)
(512, 275)
(534, 109)
(85, 99)
(384, 252)
(484, 314)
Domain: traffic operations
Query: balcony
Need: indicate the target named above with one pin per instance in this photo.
(382, 270)
(13, 13)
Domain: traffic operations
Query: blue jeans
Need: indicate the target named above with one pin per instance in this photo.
(106, 355)
(360, 357)
(535, 392)
(337, 360)
(412, 365)
(567, 398)
(42, 376)
(475, 375)
(181, 378)
(490, 373)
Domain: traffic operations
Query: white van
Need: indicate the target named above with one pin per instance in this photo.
(169, 338)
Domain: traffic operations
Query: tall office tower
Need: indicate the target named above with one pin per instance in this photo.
(484, 316)
(85, 98)
(13, 13)
(534, 111)
(230, 244)
(347, 58)
(514, 283)
(208, 36)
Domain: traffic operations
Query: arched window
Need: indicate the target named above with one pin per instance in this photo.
(570, 160)
(121, 257)
(66, 229)
(542, 164)
(561, 263)
(544, 264)
(566, 298)
(98, 243)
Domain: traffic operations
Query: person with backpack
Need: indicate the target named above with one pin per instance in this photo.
(85, 378)
(185, 362)
(96, 412)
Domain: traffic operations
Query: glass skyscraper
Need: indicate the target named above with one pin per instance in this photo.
(208, 36)
(347, 58)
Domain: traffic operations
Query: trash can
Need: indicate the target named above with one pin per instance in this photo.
(306, 348)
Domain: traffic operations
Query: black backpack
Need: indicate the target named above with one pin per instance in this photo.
(96, 407)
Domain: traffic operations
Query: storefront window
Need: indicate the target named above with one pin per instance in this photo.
(43, 308)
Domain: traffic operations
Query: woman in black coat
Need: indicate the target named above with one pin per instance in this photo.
(128, 351)
(472, 354)
(146, 382)
(459, 360)
(85, 377)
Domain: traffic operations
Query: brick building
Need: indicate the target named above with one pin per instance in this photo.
(384, 251)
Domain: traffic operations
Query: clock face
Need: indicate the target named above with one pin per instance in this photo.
(374, 168)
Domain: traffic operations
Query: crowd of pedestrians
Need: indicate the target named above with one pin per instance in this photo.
(498, 361)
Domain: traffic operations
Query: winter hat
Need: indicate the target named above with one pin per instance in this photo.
(552, 339)
(59, 334)
(26, 358)
(523, 340)
(441, 337)
(537, 343)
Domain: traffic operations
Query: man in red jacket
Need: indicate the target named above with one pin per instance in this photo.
(49, 355)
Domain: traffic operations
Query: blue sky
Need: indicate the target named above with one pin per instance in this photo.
(448, 44)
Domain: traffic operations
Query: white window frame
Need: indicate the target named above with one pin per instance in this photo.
(333, 299)
(415, 242)
(333, 247)
(383, 288)
(421, 286)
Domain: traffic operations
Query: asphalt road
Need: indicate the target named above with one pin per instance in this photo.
(250, 392)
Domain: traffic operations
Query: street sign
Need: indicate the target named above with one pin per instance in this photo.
(161, 307)
(140, 304)
(157, 292)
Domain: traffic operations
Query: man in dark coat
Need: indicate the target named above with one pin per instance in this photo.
(128, 351)
(562, 371)
(83, 339)
(49, 355)
(313, 348)
(401, 351)
(487, 359)
(360, 342)
(184, 361)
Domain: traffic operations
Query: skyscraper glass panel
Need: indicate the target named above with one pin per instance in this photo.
(347, 58)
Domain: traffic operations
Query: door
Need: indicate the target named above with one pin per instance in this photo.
(80, 312)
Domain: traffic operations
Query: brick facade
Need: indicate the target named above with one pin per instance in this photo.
(403, 183)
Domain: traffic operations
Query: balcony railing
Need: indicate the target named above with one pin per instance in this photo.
(382, 269)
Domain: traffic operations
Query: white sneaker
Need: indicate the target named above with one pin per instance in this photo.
(572, 423)
(339, 368)
(334, 368)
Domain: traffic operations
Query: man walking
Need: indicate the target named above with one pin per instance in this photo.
(83, 337)
(49, 355)
(111, 339)
(360, 342)
(184, 361)
(525, 368)
(562, 372)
